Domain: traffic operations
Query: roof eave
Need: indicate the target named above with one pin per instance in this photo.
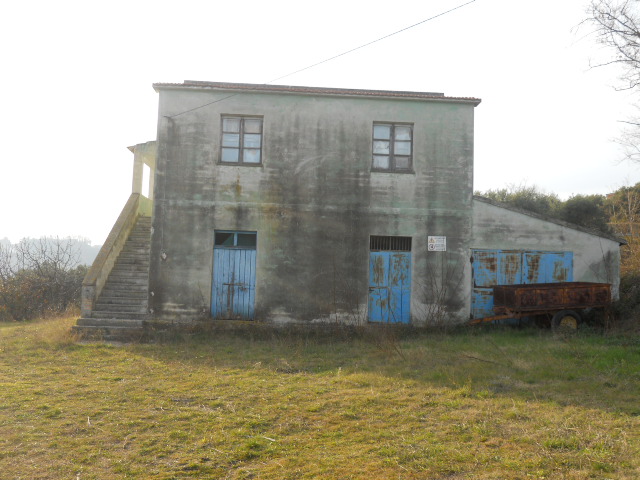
(314, 91)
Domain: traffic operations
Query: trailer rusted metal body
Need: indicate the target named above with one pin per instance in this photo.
(550, 299)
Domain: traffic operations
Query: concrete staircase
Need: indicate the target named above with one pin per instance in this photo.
(122, 308)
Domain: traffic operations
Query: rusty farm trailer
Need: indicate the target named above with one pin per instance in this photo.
(562, 303)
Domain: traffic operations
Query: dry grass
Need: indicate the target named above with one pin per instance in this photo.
(482, 404)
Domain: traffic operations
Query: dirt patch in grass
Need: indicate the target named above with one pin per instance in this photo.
(487, 404)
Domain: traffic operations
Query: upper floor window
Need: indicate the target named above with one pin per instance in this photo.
(241, 141)
(392, 147)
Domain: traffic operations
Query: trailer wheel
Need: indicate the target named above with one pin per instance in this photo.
(566, 320)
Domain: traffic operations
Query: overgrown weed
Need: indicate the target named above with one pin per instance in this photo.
(483, 403)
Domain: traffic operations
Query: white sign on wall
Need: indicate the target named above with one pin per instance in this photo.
(437, 244)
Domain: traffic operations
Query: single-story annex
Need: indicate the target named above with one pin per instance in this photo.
(298, 204)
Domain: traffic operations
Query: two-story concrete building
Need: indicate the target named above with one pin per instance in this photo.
(299, 204)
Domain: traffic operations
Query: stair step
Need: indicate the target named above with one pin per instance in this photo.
(140, 299)
(130, 268)
(122, 290)
(119, 315)
(128, 293)
(137, 307)
(135, 249)
(130, 273)
(139, 296)
(99, 322)
(131, 262)
(120, 308)
(116, 288)
(129, 276)
(125, 304)
(127, 297)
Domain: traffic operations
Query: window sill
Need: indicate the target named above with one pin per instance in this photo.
(230, 164)
(403, 172)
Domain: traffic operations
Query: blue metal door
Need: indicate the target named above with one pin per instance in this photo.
(547, 267)
(389, 287)
(234, 280)
(512, 267)
(492, 267)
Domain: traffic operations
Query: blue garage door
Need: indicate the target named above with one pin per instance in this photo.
(512, 267)
(390, 280)
(234, 275)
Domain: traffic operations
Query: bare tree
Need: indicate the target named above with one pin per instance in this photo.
(624, 215)
(617, 26)
(39, 276)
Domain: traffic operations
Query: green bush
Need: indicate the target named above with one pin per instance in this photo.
(627, 309)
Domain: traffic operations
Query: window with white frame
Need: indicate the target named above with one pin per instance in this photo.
(241, 141)
(392, 147)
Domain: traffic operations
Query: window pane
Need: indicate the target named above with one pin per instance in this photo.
(247, 240)
(230, 139)
(402, 132)
(402, 148)
(251, 155)
(402, 163)
(252, 140)
(231, 125)
(381, 161)
(382, 132)
(380, 146)
(224, 238)
(230, 155)
(253, 125)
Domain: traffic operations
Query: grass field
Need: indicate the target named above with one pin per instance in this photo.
(487, 404)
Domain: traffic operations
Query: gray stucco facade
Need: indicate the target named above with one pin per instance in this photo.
(313, 200)
(306, 175)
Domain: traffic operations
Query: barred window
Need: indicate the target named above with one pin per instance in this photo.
(389, 244)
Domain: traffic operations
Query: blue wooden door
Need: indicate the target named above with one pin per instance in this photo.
(390, 287)
(234, 282)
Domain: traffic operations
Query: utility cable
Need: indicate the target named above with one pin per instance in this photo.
(369, 43)
(332, 58)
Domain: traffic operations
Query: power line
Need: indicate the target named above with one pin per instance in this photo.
(370, 43)
(334, 57)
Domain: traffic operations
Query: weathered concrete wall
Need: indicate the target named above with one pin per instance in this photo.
(314, 202)
(596, 258)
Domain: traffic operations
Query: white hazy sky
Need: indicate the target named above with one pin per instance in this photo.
(76, 88)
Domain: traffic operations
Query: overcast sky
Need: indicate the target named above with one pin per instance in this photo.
(76, 88)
